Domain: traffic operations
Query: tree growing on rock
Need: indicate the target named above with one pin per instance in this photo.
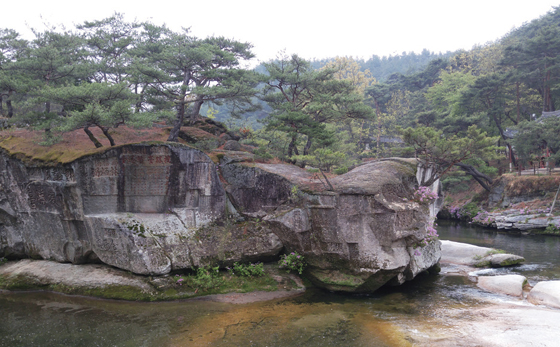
(187, 72)
(305, 100)
(439, 153)
(102, 105)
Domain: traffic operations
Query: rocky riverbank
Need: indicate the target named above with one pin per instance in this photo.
(102, 281)
(518, 204)
(512, 315)
(467, 260)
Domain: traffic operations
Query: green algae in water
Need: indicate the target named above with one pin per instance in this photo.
(48, 319)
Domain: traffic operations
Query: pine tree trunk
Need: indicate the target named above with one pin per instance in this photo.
(378, 114)
(292, 148)
(9, 105)
(174, 133)
(193, 117)
(518, 99)
(307, 146)
(107, 135)
(92, 137)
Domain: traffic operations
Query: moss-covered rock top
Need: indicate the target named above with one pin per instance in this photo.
(27, 145)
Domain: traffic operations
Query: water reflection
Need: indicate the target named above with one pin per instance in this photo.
(541, 252)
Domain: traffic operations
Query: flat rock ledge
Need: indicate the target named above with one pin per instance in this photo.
(470, 255)
(44, 272)
(519, 220)
(545, 293)
(102, 281)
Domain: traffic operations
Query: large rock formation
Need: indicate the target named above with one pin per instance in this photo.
(152, 209)
(356, 238)
(143, 208)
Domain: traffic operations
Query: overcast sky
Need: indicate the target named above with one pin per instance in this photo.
(310, 28)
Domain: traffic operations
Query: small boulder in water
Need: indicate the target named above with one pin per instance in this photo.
(466, 254)
(506, 284)
(500, 260)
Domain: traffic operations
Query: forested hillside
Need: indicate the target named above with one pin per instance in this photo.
(458, 110)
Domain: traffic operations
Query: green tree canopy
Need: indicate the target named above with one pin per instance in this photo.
(305, 100)
(439, 153)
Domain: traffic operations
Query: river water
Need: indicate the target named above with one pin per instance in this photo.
(399, 316)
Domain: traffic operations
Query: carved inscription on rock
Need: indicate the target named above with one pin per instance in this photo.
(146, 174)
(104, 177)
(43, 197)
(52, 174)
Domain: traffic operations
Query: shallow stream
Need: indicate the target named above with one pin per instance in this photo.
(426, 309)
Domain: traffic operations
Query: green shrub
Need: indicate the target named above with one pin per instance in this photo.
(292, 262)
(552, 229)
(247, 270)
(207, 277)
(471, 209)
(341, 170)
(262, 153)
(207, 145)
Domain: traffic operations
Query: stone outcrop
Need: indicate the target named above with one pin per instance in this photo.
(545, 293)
(143, 208)
(508, 190)
(355, 238)
(152, 209)
(520, 220)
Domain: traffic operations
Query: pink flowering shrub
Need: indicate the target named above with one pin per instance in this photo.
(483, 218)
(424, 194)
(466, 212)
(292, 262)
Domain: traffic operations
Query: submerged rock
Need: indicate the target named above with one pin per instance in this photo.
(103, 281)
(503, 260)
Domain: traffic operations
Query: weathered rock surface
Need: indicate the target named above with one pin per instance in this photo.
(356, 238)
(508, 190)
(471, 255)
(86, 275)
(151, 209)
(141, 208)
(505, 284)
(545, 293)
(461, 253)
